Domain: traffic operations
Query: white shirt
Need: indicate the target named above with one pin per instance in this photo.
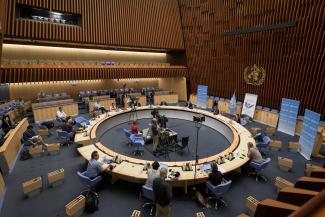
(97, 105)
(60, 114)
(152, 174)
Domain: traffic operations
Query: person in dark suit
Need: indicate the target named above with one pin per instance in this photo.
(163, 194)
(68, 127)
(6, 124)
(215, 177)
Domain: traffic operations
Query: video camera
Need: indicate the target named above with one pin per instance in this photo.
(162, 120)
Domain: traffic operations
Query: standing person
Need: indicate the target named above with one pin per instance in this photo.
(60, 114)
(163, 194)
(155, 137)
(153, 173)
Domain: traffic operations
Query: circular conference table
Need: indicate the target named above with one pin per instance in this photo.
(132, 169)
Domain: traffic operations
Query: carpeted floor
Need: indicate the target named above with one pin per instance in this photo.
(120, 199)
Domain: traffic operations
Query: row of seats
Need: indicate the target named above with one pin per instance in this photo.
(64, 94)
(304, 198)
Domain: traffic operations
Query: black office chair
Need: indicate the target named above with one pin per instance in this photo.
(183, 144)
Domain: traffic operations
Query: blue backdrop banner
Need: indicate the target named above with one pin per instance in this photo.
(202, 96)
(288, 116)
(308, 133)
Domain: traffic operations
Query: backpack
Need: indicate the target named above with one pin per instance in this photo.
(25, 155)
(92, 201)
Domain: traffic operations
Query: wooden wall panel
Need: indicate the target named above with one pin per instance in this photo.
(25, 75)
(124, 23)
(293, 58)
(2, 7)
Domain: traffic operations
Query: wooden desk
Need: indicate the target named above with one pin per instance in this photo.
(223, 106)
(141, 99)
(170, 98)
(10, 148)
(52, 98)
(295, 196)
(266, 117)
(271, 208)
(310, 183)
(131, 169)
(46, 113)
(105, 102)
(2, 186)
(318, 173)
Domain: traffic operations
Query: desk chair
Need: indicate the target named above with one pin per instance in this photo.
(64, 137)
(181, 145)
(89, 183)
(127, 134)
(147, 193)
(262, 144)
(138, 142)
(258, 167)
(218, 191)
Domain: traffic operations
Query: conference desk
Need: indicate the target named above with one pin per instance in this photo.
(10, 148)
(223, 105)
(140, 99)
(168, 98)
(131, 169)
(266, 117)
(47, 111)
(105, 102)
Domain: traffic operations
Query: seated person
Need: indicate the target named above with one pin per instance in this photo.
(153, 173)
(237, 118)
(6, 124)
(41, 94)
(30, 135)
(189, 105)
(254, 154)
(134, 127)
(20, 108)
(2, 135)
(68, 127)
(113, 107)
(98, 106)
(20, 102)
(215, 177)
(60, 114)
(96, 168)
